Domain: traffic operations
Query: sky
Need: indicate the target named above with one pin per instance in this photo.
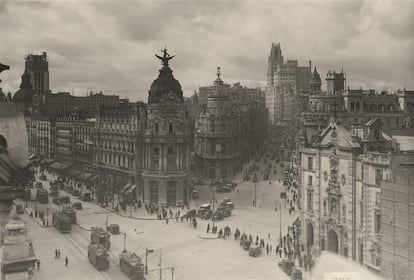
(109, 46)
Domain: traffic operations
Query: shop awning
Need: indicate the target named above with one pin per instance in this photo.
(131, 189)
(93, 178)
(47, 161)
(125, 188)
(84, 176)
(58, 166)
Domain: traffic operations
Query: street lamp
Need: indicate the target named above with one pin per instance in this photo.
(255, 192)
(147, 251)
(279, 204)
(124, 242)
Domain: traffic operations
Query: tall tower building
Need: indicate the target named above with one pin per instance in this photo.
(37, 67)
(280, 75)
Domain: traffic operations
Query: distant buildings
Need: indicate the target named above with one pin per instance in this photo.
(37, 66)
(231, 124)
(352, 107)
(285, 82)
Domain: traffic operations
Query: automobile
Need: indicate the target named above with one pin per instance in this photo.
(296, 274)
(215, 183)
(230, 205)
(76, 192)
(217, 216)
(282, 164)
(229, 182)
(245, 243)
(223, 189)
(113, 228)
(19, 209)
(38, 184)
(65, 199)
(226, 212)
(205, 215)
(194, 194)
(77, 205)
(246, 177)
(255, 251)
(57, 201)
(53, 193)
(86, 196)
(190, 213)
(42, 177)
(265, 177)
(205, 207)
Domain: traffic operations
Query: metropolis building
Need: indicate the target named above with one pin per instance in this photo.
(166, 141)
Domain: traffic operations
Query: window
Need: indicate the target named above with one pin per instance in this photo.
(377, 222)
(170, 164)
(310, 201)
(156, 151)
(378, 176)
(310, 163)
(213, 126)
(362, 171)
(170, 127)
(170, 151)
(333, 206)
(310, 180)
(378, 199)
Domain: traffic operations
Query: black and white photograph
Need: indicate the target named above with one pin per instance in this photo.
(207, 139)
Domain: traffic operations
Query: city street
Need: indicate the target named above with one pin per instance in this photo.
(186, 249)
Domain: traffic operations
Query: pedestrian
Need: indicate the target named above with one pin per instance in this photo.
(208, 228)
(270, 182)
(31, 214)
(66, 261)
(267, 248)
(58, 255)
(280, 252)
(253, 203)
(166, 220)
(270, 249)
(268, 236)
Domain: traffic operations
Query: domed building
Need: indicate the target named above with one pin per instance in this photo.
(315, 82)
(166, 141)
(25, 94)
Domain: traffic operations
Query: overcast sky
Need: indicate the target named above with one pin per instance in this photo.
(110, 45)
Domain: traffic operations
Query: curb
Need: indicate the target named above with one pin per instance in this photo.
(203, 237)
(129, 217)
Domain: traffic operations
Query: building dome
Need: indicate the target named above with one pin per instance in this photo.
(165, 84)
(315, 76)
(25, 94)
(315, 82)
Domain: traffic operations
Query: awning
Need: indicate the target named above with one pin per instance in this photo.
(58, 166)
(84, 176)
(131, 189)
(93, 178)
(125, 188)
(47, 161)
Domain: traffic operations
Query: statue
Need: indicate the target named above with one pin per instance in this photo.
(3, 67)
(166, 57)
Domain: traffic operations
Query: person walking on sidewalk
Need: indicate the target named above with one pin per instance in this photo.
(38, 264)
(66, 261)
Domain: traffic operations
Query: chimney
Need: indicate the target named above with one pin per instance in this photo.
(310, 65)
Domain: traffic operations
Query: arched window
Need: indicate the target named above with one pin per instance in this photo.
(357, 106)
(352, 107)
(3, 144)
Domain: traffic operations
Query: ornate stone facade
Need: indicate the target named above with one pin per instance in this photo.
(166, 142)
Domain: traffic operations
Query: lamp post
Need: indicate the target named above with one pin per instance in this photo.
(279, 205)
(147, 251)
(255, 192)
(125, 241)
(47, 216)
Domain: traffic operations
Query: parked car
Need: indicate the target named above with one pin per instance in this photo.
(225, 211)
(265, 177)
(57, 201)
(113, 228)
(205, 215)
(42, 177)
(204, 207)
(19, 209)
(194, 194)
(190, 213)
(227, 182)
(65, 199)
(255, 251)
(217, 216)
(77, 205)
(223, 189)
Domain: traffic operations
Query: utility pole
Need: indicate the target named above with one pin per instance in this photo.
(125, 241)
(172, 273)
(255, 193)
(280, 222)
(214, 200)
(47, 216)
(160, 265)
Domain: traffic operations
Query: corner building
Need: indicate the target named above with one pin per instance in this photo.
(166, 141)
